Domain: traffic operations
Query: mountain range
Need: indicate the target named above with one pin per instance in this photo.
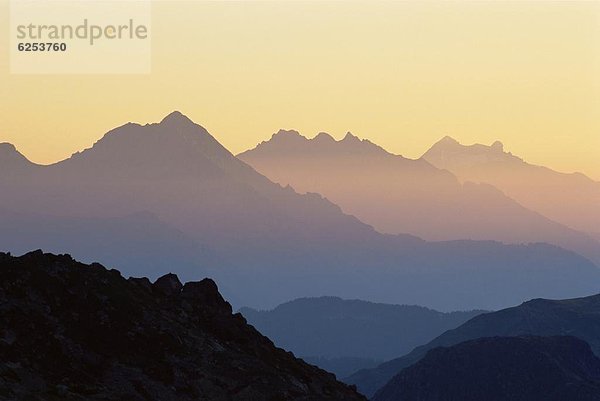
(579, 317)
(70, 331)
(168, 196)
(343, 336)
(570, 199)
(399, 195)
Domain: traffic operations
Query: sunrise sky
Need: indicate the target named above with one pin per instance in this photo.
(402, 74)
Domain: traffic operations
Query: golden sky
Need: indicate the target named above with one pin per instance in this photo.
(402, 74)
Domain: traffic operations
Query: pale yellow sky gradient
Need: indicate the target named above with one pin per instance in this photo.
(402, 74)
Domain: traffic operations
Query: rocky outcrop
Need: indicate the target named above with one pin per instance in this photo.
(70, 331)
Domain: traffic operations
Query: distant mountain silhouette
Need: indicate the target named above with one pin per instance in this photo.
(570, 199)
(263, 243)
(400, 195)
(140, 241)
(501, 369)
(12, 162)
(578, 317)
(81, 332)
(342, 366)
(331, 328)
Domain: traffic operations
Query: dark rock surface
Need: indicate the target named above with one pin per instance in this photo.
(501, 369)
(70, 331)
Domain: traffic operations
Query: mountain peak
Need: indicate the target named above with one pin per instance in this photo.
(287, 137)
(350, 137)
(448, 151)
(324, 136)
(448, 140)
(176, 146)
(6, 147)
(441, 149)
(11, 156)
(287, 132)
(176, 117)
(498, 146)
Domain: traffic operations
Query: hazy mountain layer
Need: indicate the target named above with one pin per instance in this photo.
(578, 317)
(571, 199)
(333, 328)
(501, 369)
(80, 332)
(343, 366)
(264, 244)
(140, 241)
(400, 195)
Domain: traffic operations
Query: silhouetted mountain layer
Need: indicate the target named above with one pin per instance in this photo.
(333, 328)
(501, 369)
(400, 195)
(70, 331)
(570, 199)
(578, 317)
(234, 225)
(139, 239)
(343, 366)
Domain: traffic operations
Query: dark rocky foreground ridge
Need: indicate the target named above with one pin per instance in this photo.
(501, 369)
(70, 331)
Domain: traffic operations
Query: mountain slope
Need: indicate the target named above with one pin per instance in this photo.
(333, 328)
(397, 195)
(246, 227)
(578, 317)
(501, 369)
(13, 165)
(570, 199)
(72, 332)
